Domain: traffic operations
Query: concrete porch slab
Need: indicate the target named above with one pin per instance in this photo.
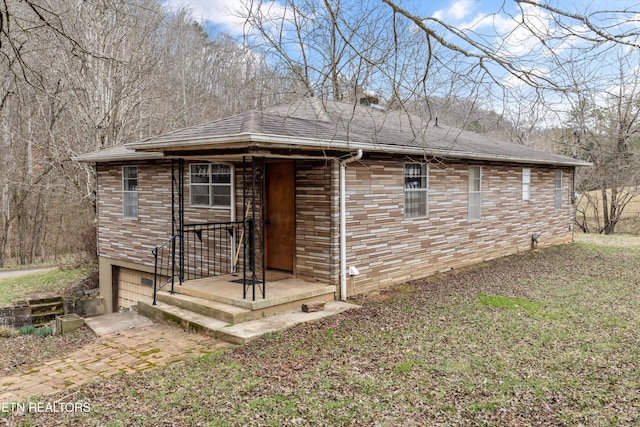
(115, 322)
(285, 289)
(245, 332)
(240, 333)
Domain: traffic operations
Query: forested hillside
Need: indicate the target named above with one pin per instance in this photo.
(81, 76)
(84, 75)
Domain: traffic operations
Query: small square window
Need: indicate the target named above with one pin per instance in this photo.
(210, 185)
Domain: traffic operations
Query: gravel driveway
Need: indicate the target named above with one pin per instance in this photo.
(16, 273)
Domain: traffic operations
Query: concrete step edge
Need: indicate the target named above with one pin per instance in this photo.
(225, 312)
(190, 320)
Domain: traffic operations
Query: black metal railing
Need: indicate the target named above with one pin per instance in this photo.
(166, 266)
(206, 250)
(212, 249)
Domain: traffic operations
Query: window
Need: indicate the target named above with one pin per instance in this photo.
(415, 190)
(130, 192)
(475, 185)
(526, 183)
(210, 185)
(558, 191)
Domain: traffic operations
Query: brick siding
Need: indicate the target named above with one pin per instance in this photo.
(389, 249)
(316, 238)
(386, 248)
(133, 239)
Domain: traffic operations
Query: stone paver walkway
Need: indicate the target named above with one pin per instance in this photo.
(128, 351)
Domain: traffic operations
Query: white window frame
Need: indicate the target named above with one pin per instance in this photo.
(474, 196)
(130, 187)
(416, 191)
(526, 184)
(557, 193)
(211, 186)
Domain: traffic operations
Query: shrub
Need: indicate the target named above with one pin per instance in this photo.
(8, 332)
(44, 331)
(88, 242)
(27, 330)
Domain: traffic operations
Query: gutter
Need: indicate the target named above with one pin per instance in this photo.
(343, 226)
(267, 141)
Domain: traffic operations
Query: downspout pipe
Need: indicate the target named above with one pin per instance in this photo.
(343, 225)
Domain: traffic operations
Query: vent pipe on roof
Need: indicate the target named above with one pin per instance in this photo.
(343, 226)
(369, 99)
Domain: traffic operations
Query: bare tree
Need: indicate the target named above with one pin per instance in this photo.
(604, 127)
(23, 24)
(200, 78)
(528, 61)
(331, 48)
(81, 76)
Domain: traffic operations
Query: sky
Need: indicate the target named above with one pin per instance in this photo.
(484, 17)
(219, 12)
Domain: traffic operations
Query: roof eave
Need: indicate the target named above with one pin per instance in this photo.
(97, 158)
(257, 140)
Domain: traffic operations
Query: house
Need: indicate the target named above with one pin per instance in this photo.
(318, 194)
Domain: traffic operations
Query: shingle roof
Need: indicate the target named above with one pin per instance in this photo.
(115, 154)
(315, 124)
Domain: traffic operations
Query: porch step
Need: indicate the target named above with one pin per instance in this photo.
(189, 320)
(247, 331)
(217, 310)
(279, 298)
(240, 333)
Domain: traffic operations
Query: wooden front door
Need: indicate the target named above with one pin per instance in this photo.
(280, 215)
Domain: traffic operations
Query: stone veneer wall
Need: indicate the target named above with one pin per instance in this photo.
(388, 249)
(128, 243)
(316, 239)
(133, 239)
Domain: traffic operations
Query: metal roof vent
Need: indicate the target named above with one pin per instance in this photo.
(369, 99)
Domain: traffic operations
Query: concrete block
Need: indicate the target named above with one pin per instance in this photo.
(68, 322)
(6, 316)
(313, 307)
(84, 306)
(94, 306)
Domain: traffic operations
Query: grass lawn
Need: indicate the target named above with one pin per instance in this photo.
(17, 288)
(550, 337)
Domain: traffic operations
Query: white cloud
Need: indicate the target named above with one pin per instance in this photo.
(460, 9)
(215, 11)
(518, 35)
(225, 12)
(457, 10)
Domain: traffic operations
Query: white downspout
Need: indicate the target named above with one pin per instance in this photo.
(343, 226)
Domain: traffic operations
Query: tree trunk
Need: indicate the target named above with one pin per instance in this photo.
(605, 208)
